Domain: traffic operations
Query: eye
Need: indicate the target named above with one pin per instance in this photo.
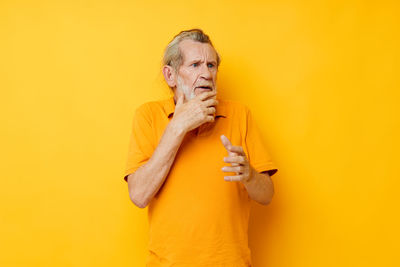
(210, 65)
(195, 64)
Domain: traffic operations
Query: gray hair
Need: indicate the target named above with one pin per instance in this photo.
(173, 56)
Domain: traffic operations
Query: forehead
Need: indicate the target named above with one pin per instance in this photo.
(195, 50)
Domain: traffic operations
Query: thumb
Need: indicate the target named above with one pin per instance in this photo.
(225, 141)
(227, 144)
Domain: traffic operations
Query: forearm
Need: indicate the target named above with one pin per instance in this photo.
(148, 179)
(260, 187)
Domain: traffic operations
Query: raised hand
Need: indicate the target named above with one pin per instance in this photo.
(193, 113)
(239, 163)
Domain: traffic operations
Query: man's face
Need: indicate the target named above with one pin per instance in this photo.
(198, 72)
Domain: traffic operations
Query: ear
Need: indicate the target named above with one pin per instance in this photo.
(169, 75)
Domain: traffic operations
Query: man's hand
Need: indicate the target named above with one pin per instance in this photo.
(240, 164)
(193, 113)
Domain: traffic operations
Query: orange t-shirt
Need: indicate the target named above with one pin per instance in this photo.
(197, 218)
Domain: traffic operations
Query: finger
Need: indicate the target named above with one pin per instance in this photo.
(211, 110)
(235, 159)
(236, 169)
(227, 144)
(232, 149)
(210, 102)
(234, 178)
(210, 118)
(206, 95)
(237, 149)
(225, 141)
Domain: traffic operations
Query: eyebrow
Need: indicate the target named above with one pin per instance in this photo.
(198, 60)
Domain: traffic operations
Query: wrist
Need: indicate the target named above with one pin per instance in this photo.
(177, 128)
(251, 178)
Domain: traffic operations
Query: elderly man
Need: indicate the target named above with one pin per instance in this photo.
(198, 208)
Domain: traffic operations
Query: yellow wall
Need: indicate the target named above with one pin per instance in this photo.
(322, 78)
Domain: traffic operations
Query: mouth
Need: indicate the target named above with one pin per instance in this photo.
(204, 87)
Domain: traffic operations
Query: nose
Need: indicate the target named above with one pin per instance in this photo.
(205, 72)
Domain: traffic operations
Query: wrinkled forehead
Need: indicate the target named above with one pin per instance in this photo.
(192, 50)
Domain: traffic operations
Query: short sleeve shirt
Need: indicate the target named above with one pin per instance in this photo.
(197, 218)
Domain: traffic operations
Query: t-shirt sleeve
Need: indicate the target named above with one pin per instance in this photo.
(258, 155)
(141, 145)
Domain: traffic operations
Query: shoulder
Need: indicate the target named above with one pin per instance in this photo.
(151, 108)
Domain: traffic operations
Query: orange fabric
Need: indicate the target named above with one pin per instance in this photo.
(197, 218)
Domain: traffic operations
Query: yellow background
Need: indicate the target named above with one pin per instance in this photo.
(321, 77)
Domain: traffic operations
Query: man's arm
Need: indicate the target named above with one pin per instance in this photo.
(260, 187)
(145, 182)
